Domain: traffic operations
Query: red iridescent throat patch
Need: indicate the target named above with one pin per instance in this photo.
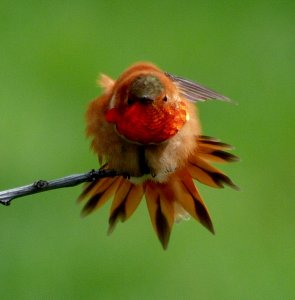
(148, 124)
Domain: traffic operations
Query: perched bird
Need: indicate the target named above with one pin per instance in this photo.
(145, 125)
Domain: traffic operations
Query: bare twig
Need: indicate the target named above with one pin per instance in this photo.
(43, 185)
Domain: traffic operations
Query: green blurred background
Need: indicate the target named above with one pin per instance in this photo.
(51, 53)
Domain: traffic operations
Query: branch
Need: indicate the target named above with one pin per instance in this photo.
(42, 185)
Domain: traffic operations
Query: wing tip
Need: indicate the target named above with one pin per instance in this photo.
(194, 91)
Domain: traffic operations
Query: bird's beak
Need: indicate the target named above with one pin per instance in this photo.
(146, 99)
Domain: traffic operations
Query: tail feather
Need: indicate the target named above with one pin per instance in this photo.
(211, 150)
(207, 174)
(101, 195)
(167, 202)
(190, 199)
(96, 187)
(207, 143)
(127, 197)
(218, 156)
(161, 199)
(202, 175)
(161, 210)
(134, 197)
(126, 200)
(118, 207)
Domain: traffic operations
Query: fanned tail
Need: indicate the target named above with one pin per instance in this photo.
(214, 150)
(98, 193)
(165, 199)
(171, 201)
(126, 195)
(211, 150)
(167, 202)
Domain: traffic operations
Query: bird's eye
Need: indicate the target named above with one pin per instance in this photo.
(130, 101)
(165, 99)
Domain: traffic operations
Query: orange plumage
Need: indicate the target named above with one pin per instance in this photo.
(145, 125)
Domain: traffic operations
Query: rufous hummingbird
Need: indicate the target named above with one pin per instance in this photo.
(145, 125)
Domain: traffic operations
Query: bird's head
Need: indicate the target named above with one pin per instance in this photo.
(145, 106)
(146, 89)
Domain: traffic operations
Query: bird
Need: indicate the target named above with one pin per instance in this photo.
(145, 126)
